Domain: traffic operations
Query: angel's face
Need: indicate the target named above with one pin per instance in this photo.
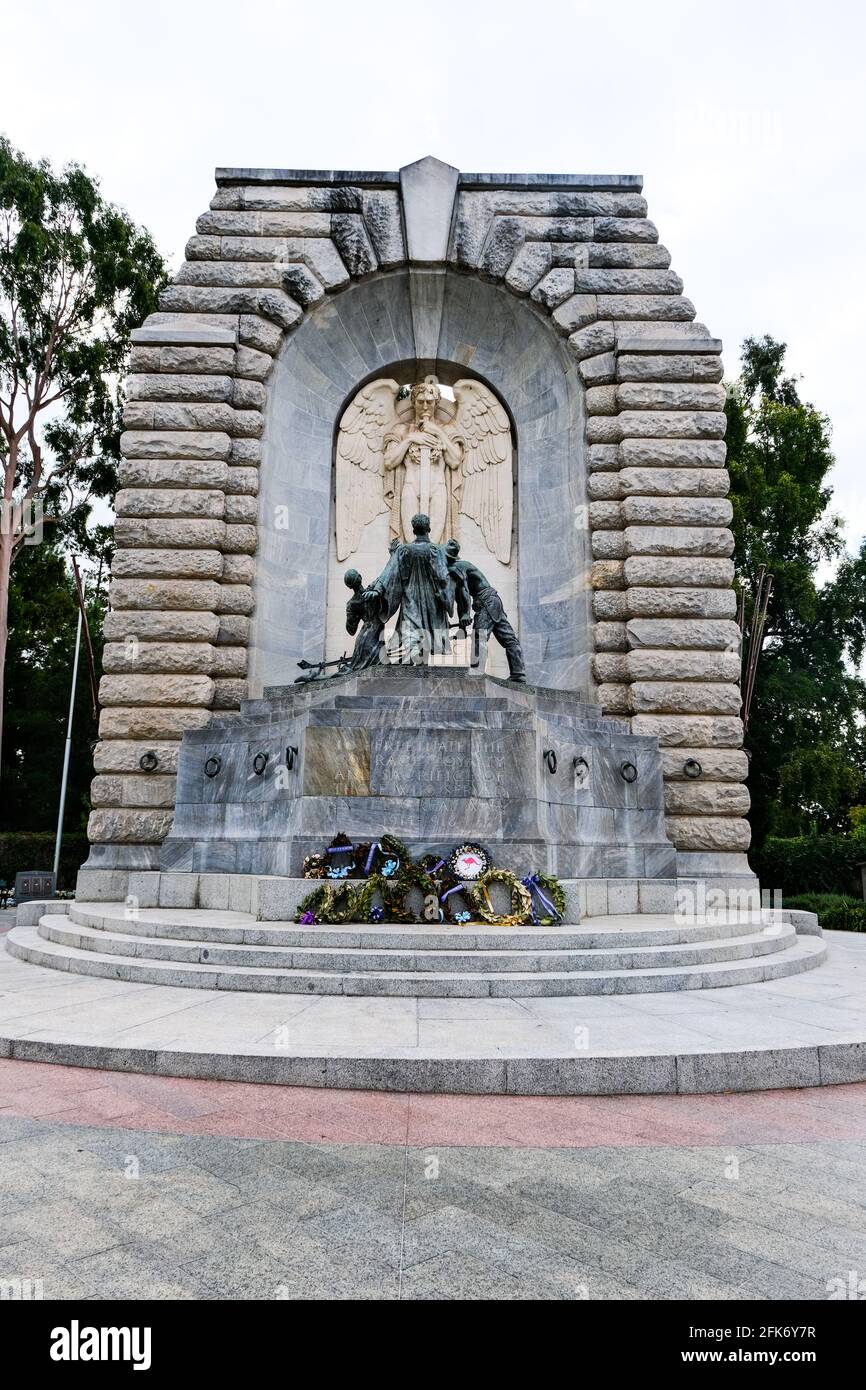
(425, 401)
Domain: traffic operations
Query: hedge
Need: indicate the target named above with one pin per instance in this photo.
(34, 850)
(811, 864)
(834, 911)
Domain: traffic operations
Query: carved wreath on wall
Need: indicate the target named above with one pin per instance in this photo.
(425, 454)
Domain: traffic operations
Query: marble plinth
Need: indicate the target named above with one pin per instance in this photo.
(432, 755)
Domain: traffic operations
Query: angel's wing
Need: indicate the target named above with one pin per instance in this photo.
(360, 472)
(485, 430)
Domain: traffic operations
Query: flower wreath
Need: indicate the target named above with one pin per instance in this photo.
(550, 894)
(330, 903)
(521, 900)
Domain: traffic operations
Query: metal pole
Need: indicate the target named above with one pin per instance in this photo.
(67, 751)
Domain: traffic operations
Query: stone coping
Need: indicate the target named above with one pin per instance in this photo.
(597, 183)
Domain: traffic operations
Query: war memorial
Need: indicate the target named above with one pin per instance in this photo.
(422, 666)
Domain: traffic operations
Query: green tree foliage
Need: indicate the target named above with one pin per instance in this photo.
(43, 614)
(805, 737)
(76, 275)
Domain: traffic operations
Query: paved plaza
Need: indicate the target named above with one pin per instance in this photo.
(120, 1186)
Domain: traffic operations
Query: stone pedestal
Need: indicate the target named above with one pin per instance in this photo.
(432, 755)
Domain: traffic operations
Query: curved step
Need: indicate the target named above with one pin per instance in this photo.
(27, 944)
(766, 941)
(237, 928)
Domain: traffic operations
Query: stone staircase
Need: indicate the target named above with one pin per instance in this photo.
(221, 950)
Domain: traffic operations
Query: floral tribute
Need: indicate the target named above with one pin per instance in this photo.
(453, 889)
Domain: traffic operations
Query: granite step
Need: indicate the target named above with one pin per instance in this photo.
(242, 929)
(766, 941)
(26, 943)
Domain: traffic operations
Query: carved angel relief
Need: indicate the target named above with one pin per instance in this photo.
(425, 454)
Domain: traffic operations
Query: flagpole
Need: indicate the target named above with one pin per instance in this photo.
(66, 751)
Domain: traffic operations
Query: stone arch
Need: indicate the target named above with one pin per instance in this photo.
(333, 352)
(275, 249)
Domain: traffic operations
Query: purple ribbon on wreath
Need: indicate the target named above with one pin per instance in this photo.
(387, 870)
(532, 883)
(340, 849)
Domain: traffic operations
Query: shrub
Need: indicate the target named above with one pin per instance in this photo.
(811, 864)
(35, 850)
(835, 911)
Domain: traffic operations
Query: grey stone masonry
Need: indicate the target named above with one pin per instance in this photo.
(582, 257)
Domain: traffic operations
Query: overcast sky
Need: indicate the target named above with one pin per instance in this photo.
(745, 119)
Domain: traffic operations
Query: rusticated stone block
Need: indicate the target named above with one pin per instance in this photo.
(242, 482)
(592, 340)
(124, 755)
(249, 362)
(700, 798)
(628, 255)
(156, 690)
(678, 540)
(689, 731)
(717, 764)
(678, 571)
(228, 692)
(233, 629)
(685, 697)
(610, 605)
(172, 473)
(605, 515)
(608, 545)
(577, 311)
(238, 569)
(235, 599)
(709, 832)
(677, 664)
(183, 387)
(638, 395)
(554, 288)
(120, 626)
(147, 724)
(158, 657)
(677, 511)
(174, 444)
(627, 282)
(673, 453)
(257, 332)
(351, 240)
(264, 223)
(611, 666)
(161, 564)
(170, 502)
(128, 827)
(599, 370)
(229, 661)
(624, 229)
(219, 361)
(149, 792)
(175, 533)
(611, 637)
(246, 451)
(273, 304)
(603, 487)
(601, 400)
(669, 424)
(680, 603)
(668, 367)
(672, 307)
(106, 791)
(614, 699)
(532, 262)
(674, 482)
(239, 540)
(164, 594)
(241, 510)
(607, 574)
(603, 458)
(708, 634)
